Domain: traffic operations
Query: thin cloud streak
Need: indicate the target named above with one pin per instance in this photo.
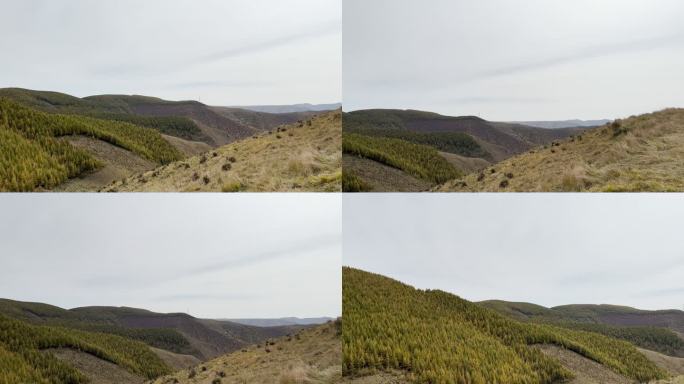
(582, 59)
(255, 47)
(220, 84)
(301, 247)
(281, 52)
(199, 296)
(249, 256)
(547, 250)
(603, 50)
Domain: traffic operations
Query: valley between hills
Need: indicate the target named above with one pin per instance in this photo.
(394, 333)
(40, 343)
(406, 150)
(52, 141)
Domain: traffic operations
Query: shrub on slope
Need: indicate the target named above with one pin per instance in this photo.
(418, 160)
(440, 338)
(452, 142)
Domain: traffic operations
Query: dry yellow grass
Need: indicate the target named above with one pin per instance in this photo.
(313, 356)
(641, 153)
(304, 156)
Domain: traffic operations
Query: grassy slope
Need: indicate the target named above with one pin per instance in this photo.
(303, 156)
(21, 358)
(641, 153)
(418, 160)
(440, 338)
(31, 156)
(312, 356)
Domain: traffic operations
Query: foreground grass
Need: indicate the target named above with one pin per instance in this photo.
(23, 357)
(439, 338)
(639, 154)
(304, 156)
(418, 160)
(33, 157)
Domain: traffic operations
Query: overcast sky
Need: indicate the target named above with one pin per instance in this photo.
(548, 249)
(253, 255)
(514, 60)
(227, 52)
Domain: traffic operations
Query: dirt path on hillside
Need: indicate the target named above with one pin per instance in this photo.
(118, 164)
(97, 370)
(586, 371)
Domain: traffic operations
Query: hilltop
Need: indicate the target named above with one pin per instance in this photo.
(433, 336)
(640, 153)
(304, 156)
(312, 355)
(407, 150)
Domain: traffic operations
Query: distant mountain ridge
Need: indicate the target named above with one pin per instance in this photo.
(272, 322)
(305, 107)
(555, 124)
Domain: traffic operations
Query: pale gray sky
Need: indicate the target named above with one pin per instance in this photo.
(514, 60)
(548, 249)
(251, 255)
(227, 52)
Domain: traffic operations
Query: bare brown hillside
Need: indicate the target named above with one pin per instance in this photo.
(640, 153)
(311, 356)
(304, 156)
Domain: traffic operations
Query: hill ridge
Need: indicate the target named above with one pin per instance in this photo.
(435, 336)
(303, 156)
(176, 332)
(637, 154)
